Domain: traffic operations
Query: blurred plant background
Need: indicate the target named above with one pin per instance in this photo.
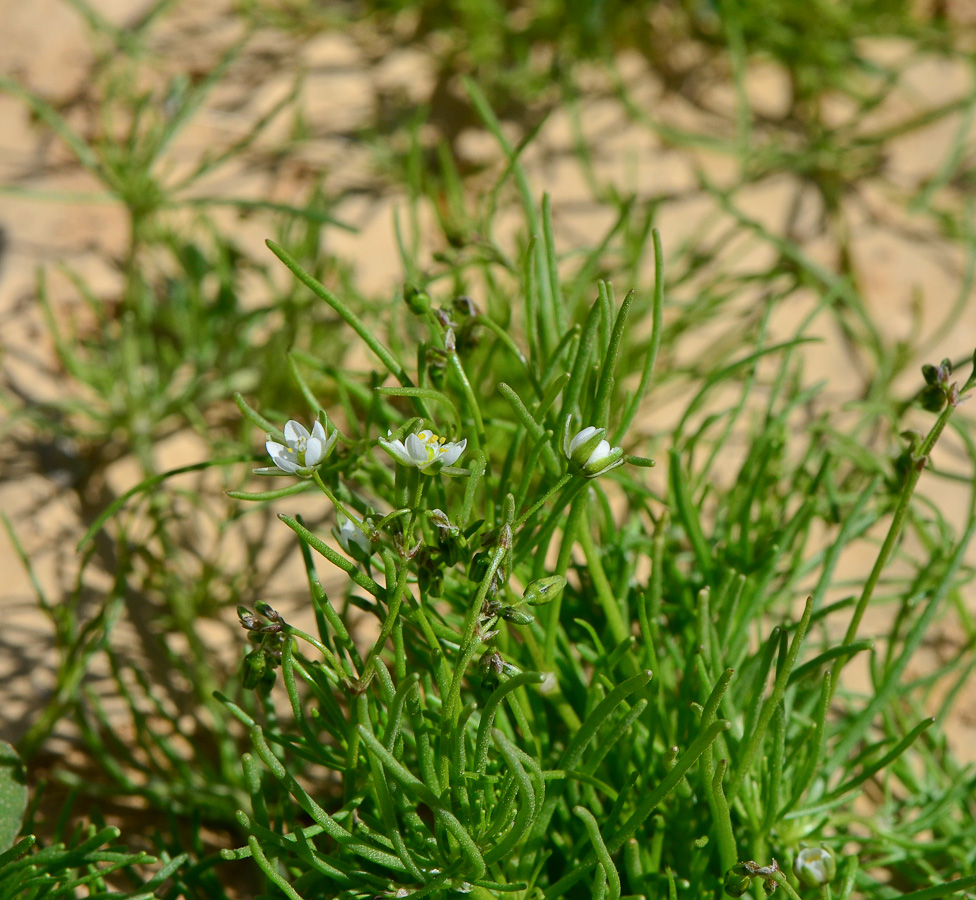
(809, 164)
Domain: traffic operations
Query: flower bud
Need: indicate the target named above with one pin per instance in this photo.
(438, 518)
(737, 880)
(253, 669)
(490, 667)
(590, 452)
(814, 866)
(933, 398)
(265, 609)
(544, 590)
(417, 300)
(584, 444)
(465, 306)
(478, 567)
(517, 615)
(450, 541)
(351, 538)
(603, 459)
(937, 375)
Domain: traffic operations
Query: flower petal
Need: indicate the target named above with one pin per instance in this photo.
(581, 438)
(452, 452)
(283, 457)
(286, 465)
(397, 451)
(417, 450)
(350, 536)
(318, 431)
(600, 452)
(294, 430)
(330, 443)
(314, 451)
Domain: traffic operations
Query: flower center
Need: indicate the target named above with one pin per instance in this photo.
(434, 445)
(296, 450)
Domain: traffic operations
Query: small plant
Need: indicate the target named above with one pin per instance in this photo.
(530, 716)
(86, 859)
(547, 670)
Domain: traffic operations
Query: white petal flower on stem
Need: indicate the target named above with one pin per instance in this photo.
(815, 866)
(424, 450)
(351, 538)
(588, 450)
(302, 451)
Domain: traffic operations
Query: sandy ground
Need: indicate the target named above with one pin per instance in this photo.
(910, 277)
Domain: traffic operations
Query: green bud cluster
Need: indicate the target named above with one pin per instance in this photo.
(938, 390)
(737, 880)
(259, 665)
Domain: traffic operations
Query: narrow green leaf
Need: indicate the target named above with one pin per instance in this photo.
(596, 839)
(365, 333)
(298, 487)
(13, 795)
(491, 707)
(340, 562)
(426, 394)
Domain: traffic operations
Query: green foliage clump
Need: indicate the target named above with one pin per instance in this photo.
(580, 684)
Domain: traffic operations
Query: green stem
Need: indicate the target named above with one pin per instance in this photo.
(443, 673)
(604, 591)
(335, 500)
(558, 486)
(393, 604)
(645, 807)
(722, 818)
(558, 698)
(576, 511)
(941, 890)
(541, 540)
(357, 325)
(340, 562)
(469, 641)
(472, 401)
(418, 488)
(919, 462)
(317, 644)
(757, 733)
(782, 880)
(513, 348)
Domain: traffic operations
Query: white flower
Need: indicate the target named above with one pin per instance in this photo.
(815, 866)
(351, 538)
(424, 450)
(301, 452)
(590, 452)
